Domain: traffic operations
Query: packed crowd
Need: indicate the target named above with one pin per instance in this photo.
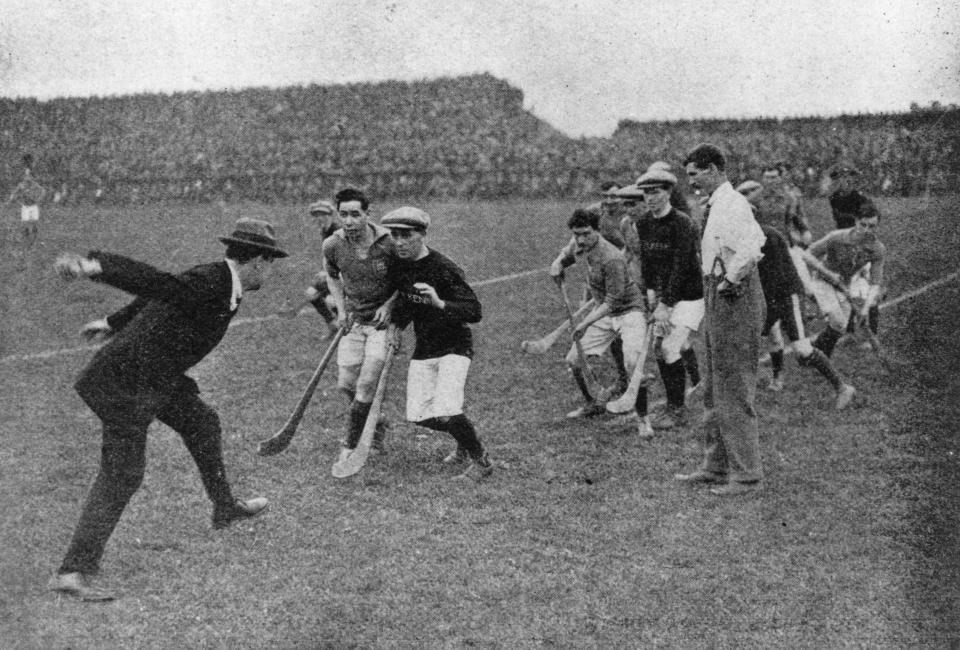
(466, 136)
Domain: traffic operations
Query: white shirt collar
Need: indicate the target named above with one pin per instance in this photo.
(236, 292)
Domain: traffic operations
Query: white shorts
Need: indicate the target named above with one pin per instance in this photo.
(631, 327)
(833, 304)
(688, 313)
(29, 213)
(684, 320)
(364, 346)
(435, 387)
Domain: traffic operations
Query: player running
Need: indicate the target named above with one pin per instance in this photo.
(318, 293)
(360, 263)
(29, 193)
(843, 276)
(433, 294)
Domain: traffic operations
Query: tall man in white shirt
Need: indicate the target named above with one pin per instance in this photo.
(735, 311)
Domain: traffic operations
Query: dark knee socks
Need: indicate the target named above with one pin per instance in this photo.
(827, 340)
(819, 362)
(776, 361)
(581, 383)
(674, 376)
(691, 365)
(462, 430)
(616, 351)
(355, 421)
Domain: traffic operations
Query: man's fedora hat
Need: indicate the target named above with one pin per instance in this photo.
(255, 234)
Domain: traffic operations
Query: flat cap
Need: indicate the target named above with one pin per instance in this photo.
(749, 186)
(406, 217)
(630, 192)
(324, 207)
(656, 178)
(843, 169)
(659, 164)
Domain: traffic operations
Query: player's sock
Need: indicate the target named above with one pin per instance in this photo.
(852, 323)
(616, 351)
(776, 361)
(462, 430)
(819, 362)
(873, 319)
(581, 383)
(674, 377)
(827, 340)
(355, 421)
(640, 404)
(321, 306)
(692, 366)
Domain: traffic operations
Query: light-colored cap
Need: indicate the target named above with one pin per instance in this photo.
(630, 192)
(749, 186)
(656, 178)
(324, 207)
(660, 164)
(406, 217)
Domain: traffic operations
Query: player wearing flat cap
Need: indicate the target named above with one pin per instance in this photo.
(139, 376)
(323, 216)
(672, 281)
(433, 294)
(359, 260)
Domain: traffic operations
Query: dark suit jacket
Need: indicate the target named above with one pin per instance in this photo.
(174, 322)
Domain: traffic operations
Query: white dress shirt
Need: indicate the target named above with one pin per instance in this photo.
(731, 234)
(237, 289)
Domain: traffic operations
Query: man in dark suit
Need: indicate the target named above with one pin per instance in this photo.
(138, 376)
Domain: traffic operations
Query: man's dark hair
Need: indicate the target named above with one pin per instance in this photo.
(351, 194)
(582, 218)
(868, 210)
(606, 185)
(704, 155)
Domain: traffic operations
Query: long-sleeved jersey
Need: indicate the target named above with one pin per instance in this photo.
(439, 331)
(669, 259)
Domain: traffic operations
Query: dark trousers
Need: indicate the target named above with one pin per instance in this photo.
(123, 459)
(731, 436)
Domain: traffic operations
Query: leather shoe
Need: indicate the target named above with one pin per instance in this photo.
(223, 516)
(78, 585)
(700, 476)
(736, 489)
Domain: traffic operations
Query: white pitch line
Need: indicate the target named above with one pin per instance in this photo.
(48, 354)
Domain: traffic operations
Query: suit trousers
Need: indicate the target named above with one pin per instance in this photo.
(730, 436)
(125, 420)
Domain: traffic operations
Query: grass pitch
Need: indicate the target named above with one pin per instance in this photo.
(580, 539)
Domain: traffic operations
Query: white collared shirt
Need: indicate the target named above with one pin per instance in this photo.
(237, 289)
(731, 234)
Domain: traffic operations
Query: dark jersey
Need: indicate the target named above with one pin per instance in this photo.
(669, 261)
(847, 206)
(439, 331)
(778, 275)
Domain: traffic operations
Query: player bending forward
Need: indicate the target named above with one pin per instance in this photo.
(782, 289)
(838, 259)
(618, 310)
(434, 295)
